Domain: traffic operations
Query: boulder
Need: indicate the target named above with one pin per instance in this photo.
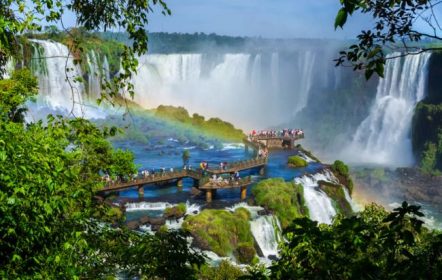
(133, 225)
(144, 220)
(157, 221)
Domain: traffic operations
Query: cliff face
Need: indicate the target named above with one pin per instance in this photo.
(427, 120)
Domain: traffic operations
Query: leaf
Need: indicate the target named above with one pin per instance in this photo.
(341, 18)
(368, 74)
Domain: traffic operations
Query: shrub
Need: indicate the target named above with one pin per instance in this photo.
(297, 161)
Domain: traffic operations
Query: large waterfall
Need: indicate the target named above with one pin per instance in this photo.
(248, 89)
(57, 76)
(60, 79)
(384, 136)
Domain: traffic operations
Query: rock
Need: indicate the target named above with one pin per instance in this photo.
(144, 220)
(262, 212)
(157, 221)
(246, 253)
(156, 227)
(133, 225)
(273, 257)
(195, 212)
(195, 191)
(198, 242)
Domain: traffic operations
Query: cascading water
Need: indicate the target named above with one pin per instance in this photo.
(319, 204)
(57, 76)
(384, 136)
(235, 87)
(267, 233)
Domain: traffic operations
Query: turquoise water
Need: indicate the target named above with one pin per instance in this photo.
(168, 155)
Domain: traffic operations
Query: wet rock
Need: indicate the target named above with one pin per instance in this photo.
(198, 242)
(144, 220)
(273, 257)
(156, 227)
(157, 221)
(133, 225)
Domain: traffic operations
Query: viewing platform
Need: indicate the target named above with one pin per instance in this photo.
(272, 141)
(201, 178)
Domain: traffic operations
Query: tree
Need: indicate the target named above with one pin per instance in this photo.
(395, 29)
(373, 244)
(186, 157)
(50, 225)
(20, 16)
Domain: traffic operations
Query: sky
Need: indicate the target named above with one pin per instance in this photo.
(265, 18)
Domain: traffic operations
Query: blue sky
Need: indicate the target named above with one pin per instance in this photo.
(266, 18)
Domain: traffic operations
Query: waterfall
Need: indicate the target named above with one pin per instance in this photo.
(266, 231)
(306, 66)
(319, 204)
(94, 77)
(57, 77)
(384, 136)
(256, 75)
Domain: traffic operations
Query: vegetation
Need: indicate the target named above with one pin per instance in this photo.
(341, 171)
(223, 232)
(176, 211)
(427, 135)
(285, 199)
(224, 271)
(336, 193)
(398, 246)
(49, 222)
(297, 161)
(213, 126)
(395, 28)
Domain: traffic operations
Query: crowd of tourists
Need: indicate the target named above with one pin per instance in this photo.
(277, 133)
(224, 180)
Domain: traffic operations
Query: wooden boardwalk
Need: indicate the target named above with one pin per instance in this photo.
(201, 178)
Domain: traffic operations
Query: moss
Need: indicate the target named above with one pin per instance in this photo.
(336, 193)
(297, 161)
(243, 213)
(284, 198)
(222, 232)
(175, 211)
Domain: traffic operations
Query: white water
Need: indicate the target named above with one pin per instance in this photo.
(384, 136)
(246, 89)
(267, 233)
(98, 73)
(57, 78)
(319, 204)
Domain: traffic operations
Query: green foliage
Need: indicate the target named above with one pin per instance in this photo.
(224, 271)
(297, 161)
(427, 136)
(284, 198)
(14, 92)
(341, 170)
(394, 22)
(222, 232)
(50, 226)
(428, 162)
(371, 245)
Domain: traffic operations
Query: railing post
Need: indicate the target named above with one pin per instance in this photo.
(179, 184)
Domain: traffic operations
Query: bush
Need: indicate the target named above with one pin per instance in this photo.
(340, 167)
(224, 271)
(297, 161)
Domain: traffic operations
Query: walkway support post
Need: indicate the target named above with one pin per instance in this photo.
(262, 171)
(140, 191)
(209, 196)
(243, 192)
